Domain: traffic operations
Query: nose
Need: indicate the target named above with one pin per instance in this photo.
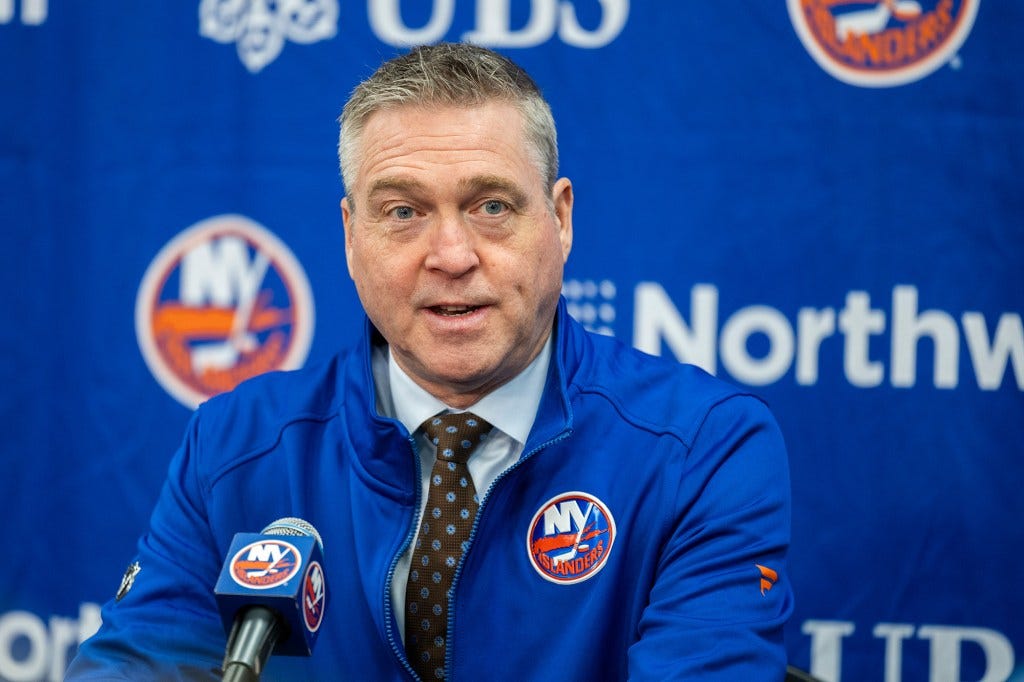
(451, 247)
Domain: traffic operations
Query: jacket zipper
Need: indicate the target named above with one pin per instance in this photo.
(396, 647)
(472, 535)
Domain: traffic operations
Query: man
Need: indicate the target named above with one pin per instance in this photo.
(631, 514)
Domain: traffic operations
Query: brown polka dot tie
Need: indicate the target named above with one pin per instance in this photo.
(443, 538)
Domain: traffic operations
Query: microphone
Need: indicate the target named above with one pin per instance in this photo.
(271, 594)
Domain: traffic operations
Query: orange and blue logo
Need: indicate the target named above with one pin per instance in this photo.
(882, 43)
(263, 564)
(570, 538)
(314, 596)
(768, 578)
(221, 302)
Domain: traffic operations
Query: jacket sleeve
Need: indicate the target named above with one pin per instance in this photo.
(721, 596)
(166, 627)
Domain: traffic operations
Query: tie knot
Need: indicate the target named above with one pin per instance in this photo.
(456, 435)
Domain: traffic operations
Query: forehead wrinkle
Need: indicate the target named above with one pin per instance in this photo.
(408, 156)
(399, 152)
(457, 138)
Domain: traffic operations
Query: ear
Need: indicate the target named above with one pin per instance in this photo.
(347, 222)
(561, 195)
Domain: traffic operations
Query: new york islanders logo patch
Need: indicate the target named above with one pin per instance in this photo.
(570, 538)
(264, 564)
(882, 43)
(223, 301)
(313, 597)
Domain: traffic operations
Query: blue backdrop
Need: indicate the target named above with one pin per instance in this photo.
(817, 198)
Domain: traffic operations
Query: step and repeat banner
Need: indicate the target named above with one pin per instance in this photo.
(819, 199)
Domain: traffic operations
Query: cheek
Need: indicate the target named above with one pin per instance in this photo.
(386, 280)
(538, 279)
(380, 297)
(369, 272)
(370, 257)
(550, 263)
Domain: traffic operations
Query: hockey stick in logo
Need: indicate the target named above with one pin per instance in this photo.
(904, 10)
(239, 336)
(312, 604)
(874, 21)
(271, 567)
(571, 554)
(225, 353)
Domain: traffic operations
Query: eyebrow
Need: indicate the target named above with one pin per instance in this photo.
(485, 183)
(473, 185)
(395, 184)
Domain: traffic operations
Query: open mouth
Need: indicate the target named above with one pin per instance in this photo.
(454, 310)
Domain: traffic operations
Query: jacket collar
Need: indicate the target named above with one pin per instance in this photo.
(384, 444)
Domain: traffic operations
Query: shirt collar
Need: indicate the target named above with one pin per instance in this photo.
(511, 408)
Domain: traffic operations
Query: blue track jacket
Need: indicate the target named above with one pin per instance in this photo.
(642, 535)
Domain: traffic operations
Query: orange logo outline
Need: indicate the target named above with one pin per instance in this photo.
(166, 329)
(863, 48)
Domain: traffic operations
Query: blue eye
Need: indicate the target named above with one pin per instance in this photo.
(403, 213)
(493, 207)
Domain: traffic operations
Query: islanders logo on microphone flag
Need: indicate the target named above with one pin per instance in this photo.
(264, 564)
(223, 301)
(882, 43)
(314, 596)
(570, 537)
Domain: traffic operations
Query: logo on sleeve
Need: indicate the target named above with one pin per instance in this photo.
(882, 43)
(570, 538)
(264, 564)
(223, 301)
(127, 580)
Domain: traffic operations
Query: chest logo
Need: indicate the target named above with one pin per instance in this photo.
(570, 538)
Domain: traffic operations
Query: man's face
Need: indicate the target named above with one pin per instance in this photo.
(455, 244)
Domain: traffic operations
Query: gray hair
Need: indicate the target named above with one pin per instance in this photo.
(453, 74)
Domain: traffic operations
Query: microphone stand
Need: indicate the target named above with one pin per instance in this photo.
(253, 636)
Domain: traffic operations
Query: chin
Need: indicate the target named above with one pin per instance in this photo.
(463, 373)
(460, 375)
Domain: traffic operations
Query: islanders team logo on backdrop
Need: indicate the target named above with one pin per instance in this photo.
(264, 564)
(259, 28)
(570, 538)
(223, 301)
(885, 42)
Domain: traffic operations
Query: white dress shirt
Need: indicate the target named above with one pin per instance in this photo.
(510, 409)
